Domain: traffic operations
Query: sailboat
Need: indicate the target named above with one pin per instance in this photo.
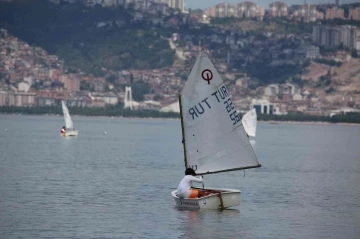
(70, 131)
(249, 122)
(214, 139)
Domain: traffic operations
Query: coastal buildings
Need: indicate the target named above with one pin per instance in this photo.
(20, 99)
(32, 70)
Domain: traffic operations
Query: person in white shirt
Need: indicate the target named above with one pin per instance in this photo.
(185, 189)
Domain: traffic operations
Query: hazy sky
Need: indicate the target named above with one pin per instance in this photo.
(264, 3)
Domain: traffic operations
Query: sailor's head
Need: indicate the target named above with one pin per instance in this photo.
(63, 127)
(190, 171)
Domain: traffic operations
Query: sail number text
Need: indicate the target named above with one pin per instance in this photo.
(221, 96)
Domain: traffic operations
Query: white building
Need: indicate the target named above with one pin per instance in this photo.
(174, 107)
(177, 4)
(264, 106)
(23, 86)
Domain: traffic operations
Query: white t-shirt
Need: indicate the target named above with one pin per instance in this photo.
(184, 188)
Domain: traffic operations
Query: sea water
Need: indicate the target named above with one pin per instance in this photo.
(118, 184)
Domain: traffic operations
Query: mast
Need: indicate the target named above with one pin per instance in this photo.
(182, 131)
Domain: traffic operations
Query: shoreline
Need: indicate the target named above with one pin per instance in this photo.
(308, 122)
(178, 118)
(92, 116)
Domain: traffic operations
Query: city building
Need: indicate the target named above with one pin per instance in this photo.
(177, 4)
(211, 12)
(249, 10)
(334, 13)
(312, 52)
(307, 12)
(349, 36)
(330, 37)
(71, 84)
(278, 9)
(225, 10)
(20, 99)
(174, 107)
(354, 14)
(264, 106)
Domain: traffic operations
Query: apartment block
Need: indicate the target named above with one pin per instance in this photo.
(278, 9)
(20, 99)
(334, 13)
(249, 10)
(225, 10)
(354, 14)
(331, 37)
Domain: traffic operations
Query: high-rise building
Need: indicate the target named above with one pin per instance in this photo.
(333, 13)
(331, 37)
(316, 34)
(249, 10)
(354, 14)
(225, 10)
(354, 37)
(278, 9)
(345, 36)
(307, 12)
(177, 4)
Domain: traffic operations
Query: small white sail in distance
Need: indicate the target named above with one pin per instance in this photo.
(215, 140)
(68, 121)
(249, 122)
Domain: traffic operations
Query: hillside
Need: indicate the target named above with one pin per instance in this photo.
(345, 81)
(337, 85)
(90, 39)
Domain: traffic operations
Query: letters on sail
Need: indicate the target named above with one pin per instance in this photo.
(214, 136)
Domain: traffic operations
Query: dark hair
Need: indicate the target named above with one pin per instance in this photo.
(190, 171)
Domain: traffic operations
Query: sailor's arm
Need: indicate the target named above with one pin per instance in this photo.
(197, 180)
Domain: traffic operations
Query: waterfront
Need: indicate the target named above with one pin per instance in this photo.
(118, 184)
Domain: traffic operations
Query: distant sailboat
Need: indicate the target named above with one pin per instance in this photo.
(249, 122)
(70, 131)
(214, 138)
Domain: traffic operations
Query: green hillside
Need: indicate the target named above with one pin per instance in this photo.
(87, 38)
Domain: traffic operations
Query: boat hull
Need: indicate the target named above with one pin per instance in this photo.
(70, 133)
(230, 198)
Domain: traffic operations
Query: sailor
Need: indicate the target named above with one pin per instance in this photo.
(63, 130)
(184, 189)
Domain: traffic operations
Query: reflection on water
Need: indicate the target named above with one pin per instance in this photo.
(191, 219)
(118, 185)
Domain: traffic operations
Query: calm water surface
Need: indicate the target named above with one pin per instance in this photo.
(118, 184)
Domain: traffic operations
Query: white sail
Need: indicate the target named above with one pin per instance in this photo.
(249, 122)
(215, 139)
(68, 121)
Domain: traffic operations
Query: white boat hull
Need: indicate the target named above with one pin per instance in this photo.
(70, 133)
(230, 198)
